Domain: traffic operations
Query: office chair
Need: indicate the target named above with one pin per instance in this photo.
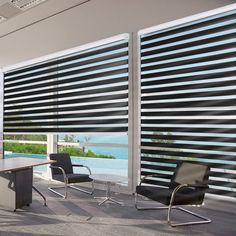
(62, 171)
(187, 187)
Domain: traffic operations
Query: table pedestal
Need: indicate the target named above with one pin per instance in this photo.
(16, 188)
(108, 196)
(108, 180)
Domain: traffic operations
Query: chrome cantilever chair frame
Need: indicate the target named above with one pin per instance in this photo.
(204, 220)
(66, 184)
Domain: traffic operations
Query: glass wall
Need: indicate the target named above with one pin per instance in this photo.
(101, 153)
(187, 100)
(30, 146)
(81, 96)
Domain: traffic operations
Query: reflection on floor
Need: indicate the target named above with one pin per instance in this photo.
(80, 215)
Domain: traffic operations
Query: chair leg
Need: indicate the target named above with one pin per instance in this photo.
(146, 208)
(204, 220)
(83, 190)
(52, 189)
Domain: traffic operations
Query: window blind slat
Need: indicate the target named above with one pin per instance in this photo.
(95, 74)
(84, 88)
(187, 100)
(87, 53)
(65, 102)
(86, 91)
(70, 115)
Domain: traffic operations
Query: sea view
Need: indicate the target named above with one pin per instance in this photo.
(97, 165)
(117, 152)
(113, 159)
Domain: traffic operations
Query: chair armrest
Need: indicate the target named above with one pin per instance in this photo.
(184, 186)
(77, 165)
(61, 169)
(204, 186)
(174, 192)
(145, 177)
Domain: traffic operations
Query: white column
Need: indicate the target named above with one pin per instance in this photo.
(1, 113)
(136, 110)
(133, 134)
(51, 148)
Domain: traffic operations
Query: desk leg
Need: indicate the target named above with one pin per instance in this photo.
(16, 188)
(44, 198)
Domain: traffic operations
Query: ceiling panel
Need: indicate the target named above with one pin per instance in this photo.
(17, 19)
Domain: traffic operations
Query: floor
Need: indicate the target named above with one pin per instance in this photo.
(81, 215)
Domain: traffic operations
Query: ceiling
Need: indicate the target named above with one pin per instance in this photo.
(17, 19)
(57, 25)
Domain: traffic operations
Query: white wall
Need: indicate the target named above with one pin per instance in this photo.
(98, 19)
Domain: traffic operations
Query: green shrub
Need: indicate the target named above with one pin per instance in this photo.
(42, 149)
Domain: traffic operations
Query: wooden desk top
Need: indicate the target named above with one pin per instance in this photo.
(13, 164)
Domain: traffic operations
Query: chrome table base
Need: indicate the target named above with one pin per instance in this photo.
(108, 196)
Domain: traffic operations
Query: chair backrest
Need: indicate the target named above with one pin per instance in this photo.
(189, 173)
(62, 160)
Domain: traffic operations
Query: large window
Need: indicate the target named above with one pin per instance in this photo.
(31, 146)
(81, 96)
(102, 153)
(188, 91)
(86, 91)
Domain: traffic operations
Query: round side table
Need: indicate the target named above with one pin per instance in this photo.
(108, 179)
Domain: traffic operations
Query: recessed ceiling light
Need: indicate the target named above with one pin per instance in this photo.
(26, 4)
(2, 18)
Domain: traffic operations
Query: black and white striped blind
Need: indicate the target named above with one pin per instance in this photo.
(83, 92)
(188, 100)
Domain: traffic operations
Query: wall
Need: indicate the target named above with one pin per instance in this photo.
(1, 115)
(93, 21)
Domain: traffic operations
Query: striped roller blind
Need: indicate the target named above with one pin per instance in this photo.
(83, 92)
(188, 90)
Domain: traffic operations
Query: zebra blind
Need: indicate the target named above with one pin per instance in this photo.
(83, 92)
(188, 91)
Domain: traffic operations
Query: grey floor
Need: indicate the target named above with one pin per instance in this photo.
(81, 215)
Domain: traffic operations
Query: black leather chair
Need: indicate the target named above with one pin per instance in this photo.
(62, 171)
(187, 187)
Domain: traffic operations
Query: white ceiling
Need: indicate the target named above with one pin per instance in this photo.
(62, 24)
(42, 11)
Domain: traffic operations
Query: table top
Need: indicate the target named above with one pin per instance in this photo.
(13, 164)
(109, 178)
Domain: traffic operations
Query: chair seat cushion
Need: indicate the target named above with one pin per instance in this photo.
(73, 178)
(184, 196)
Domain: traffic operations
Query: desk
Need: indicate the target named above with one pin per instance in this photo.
(108, 179)
(16, 181)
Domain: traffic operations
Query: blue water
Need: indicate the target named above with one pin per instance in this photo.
(105, 138)
(97, 165)
(117, 152)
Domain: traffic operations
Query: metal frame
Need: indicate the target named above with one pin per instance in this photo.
(66, 184)
(37, 191)
(108, 196)
(204, 220)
